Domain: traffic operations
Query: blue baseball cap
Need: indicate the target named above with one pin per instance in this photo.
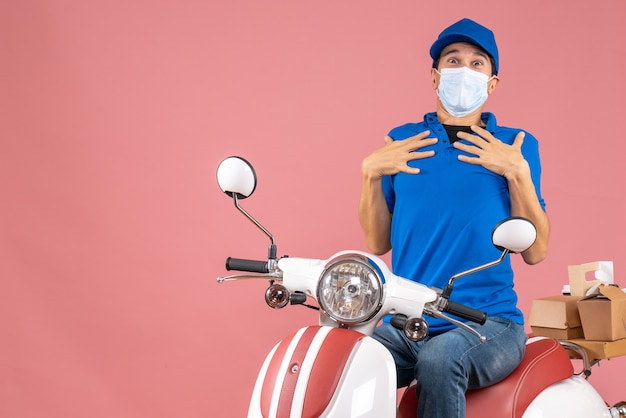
(466, 30)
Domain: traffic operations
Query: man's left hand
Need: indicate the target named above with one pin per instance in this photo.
(493, 154)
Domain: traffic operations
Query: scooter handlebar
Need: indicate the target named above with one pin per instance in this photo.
(241, 264)
(466, 312)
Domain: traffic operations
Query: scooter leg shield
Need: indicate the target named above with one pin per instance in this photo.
(326, 372)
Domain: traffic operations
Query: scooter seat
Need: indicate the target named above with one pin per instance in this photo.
(545, 362)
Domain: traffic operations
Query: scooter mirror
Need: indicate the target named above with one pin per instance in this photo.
(235, 175)
(514, 234)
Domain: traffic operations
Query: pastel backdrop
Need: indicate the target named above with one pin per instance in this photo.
(115, 114)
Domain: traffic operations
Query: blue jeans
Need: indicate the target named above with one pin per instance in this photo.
(445, 366)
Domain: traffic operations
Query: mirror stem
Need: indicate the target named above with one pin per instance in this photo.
(272, 249)
(448, 289)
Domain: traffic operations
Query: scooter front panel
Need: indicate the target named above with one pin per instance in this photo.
(321, 371)
(367, 388)
(324, 371)
(278, 385)
(304, 370)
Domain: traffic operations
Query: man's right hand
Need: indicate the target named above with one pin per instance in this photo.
(393, 158)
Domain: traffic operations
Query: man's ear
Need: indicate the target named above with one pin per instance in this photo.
(493, 83)
(434, 75)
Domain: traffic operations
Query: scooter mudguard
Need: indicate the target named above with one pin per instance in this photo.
(321, 371)
(571, 398)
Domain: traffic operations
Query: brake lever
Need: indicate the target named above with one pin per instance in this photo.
(268, 276)
(437, 314)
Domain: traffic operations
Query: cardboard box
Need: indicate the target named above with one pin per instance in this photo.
(578, 282)
(603, 316)
(556, 317)
(599, 350)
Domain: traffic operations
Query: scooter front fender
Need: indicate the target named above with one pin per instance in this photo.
(321, 371)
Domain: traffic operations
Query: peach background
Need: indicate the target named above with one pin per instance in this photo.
(114, 115)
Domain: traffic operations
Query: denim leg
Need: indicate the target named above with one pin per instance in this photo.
(403, 351)
(447, 365)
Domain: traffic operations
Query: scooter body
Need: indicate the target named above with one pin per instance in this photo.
(321, 371)
(336, 369)
(573, 397)
(328, 371)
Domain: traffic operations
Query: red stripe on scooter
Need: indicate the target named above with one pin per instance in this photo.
(293, 372)
(285, 391)
(271, 375)
(327, 370)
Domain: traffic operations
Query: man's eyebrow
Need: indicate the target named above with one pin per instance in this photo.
(454, 51)
(481, 54)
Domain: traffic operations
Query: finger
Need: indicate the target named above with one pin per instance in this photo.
(470, 149)
(409, 170)
(476, 140)
(421, 140)
(420, 135)
(480, 130)
(519, 140)
(484, 134)
(388, 139)
(469, 160)
(413, 144)
(417, 138)
(420, 155)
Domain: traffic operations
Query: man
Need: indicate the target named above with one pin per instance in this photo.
(432, 194)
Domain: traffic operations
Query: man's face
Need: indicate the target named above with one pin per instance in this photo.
(462, 54)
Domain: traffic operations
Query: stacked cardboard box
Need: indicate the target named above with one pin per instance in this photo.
(596, 322)
(556, 317)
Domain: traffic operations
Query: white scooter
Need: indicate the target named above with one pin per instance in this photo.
(335, 369)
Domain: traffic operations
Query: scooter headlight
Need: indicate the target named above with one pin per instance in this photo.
(350, 289)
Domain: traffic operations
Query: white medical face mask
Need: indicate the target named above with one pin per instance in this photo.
(461, 90)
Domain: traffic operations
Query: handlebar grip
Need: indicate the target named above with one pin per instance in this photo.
(466, 312)
(398, 321)
(242, 264)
